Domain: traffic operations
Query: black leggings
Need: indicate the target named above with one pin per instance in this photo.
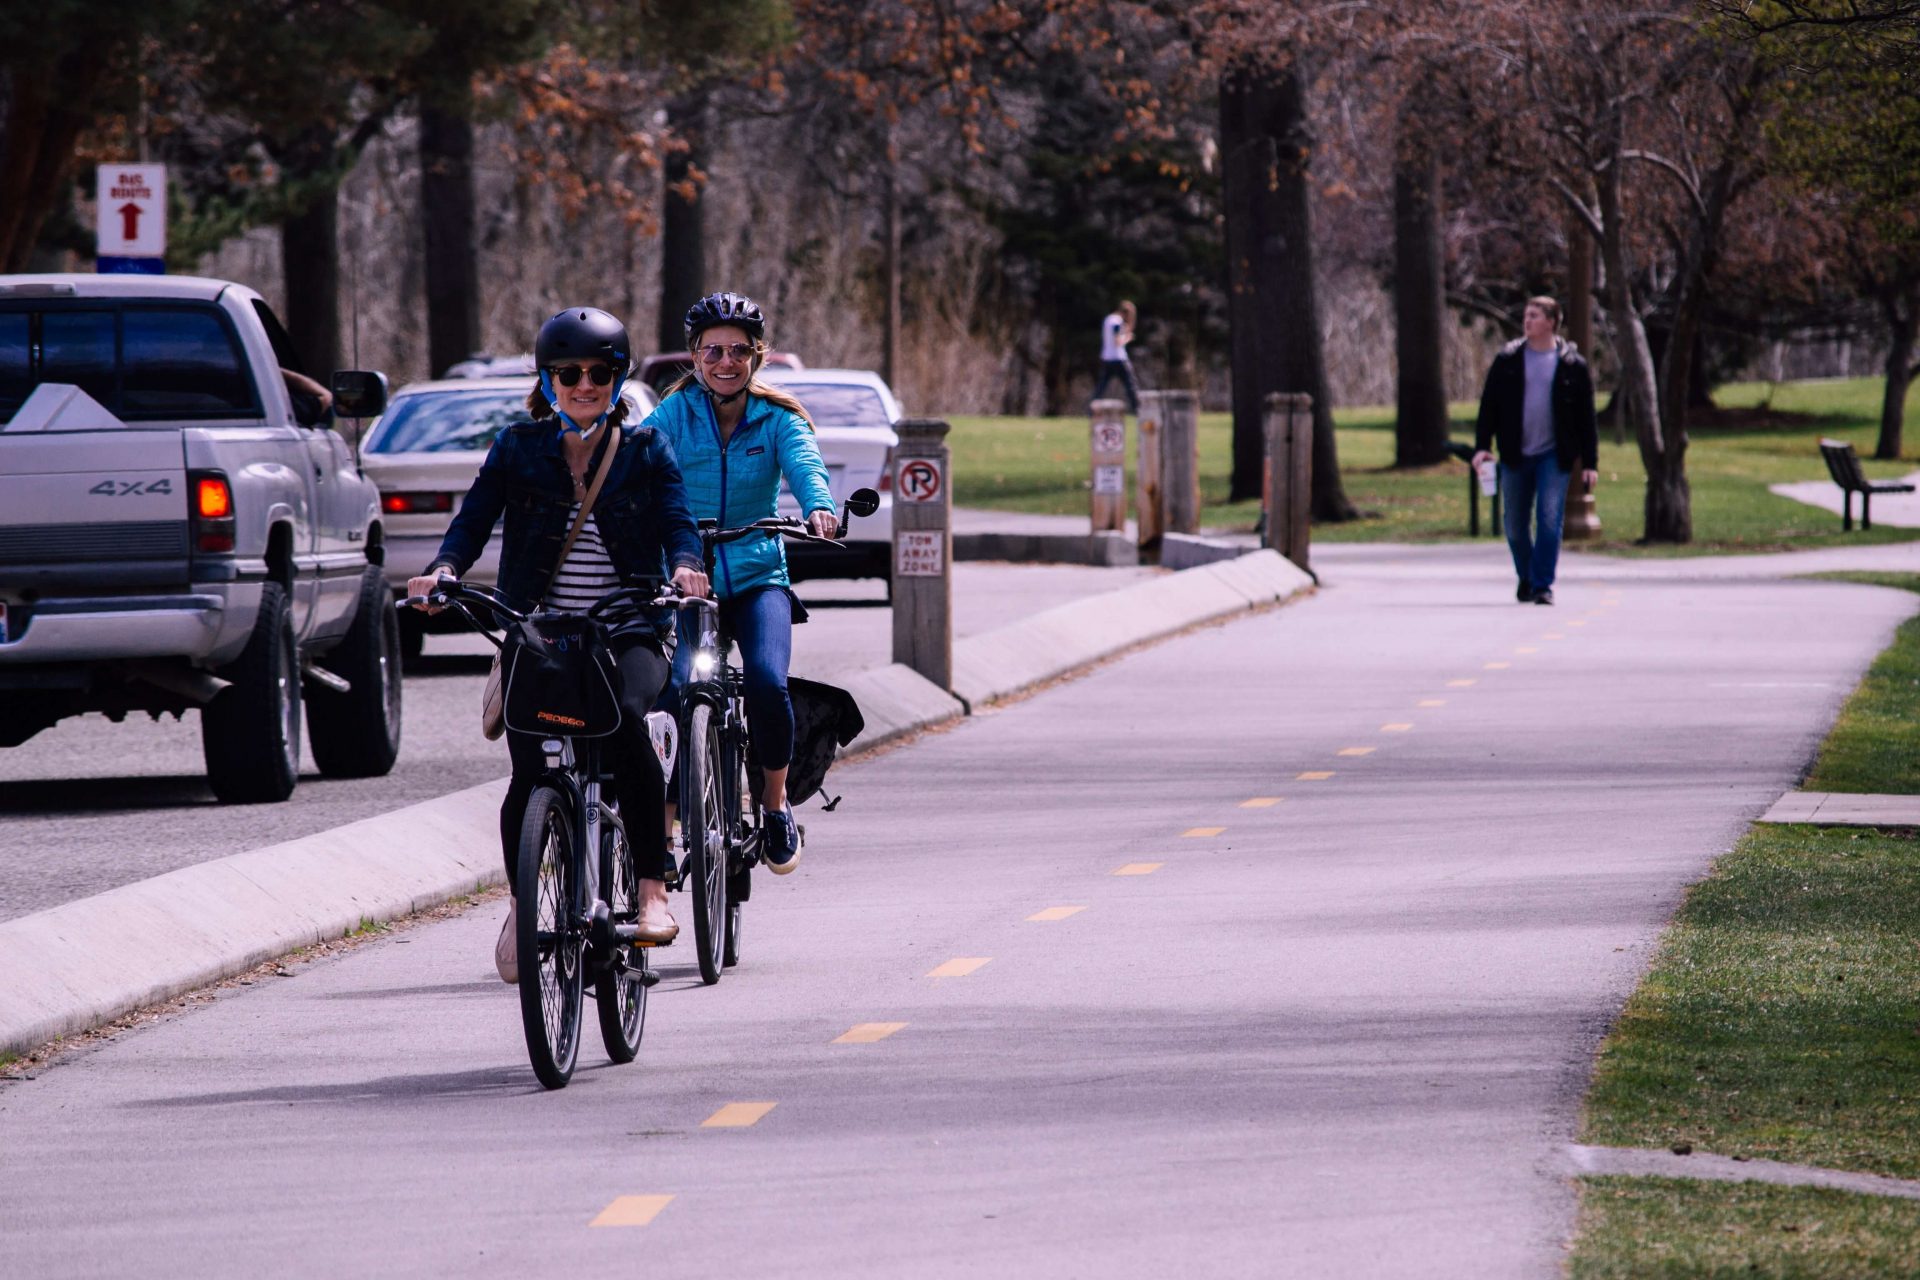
(627, 754)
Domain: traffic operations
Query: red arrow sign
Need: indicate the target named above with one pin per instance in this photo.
(130, 220)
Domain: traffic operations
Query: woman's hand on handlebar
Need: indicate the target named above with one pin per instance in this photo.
(424, 586)
(824, 524)
(690, 581)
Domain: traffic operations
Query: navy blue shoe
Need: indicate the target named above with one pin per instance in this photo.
(780, 842)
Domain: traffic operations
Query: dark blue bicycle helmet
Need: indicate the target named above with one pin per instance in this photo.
(725, 308)
(582, 333)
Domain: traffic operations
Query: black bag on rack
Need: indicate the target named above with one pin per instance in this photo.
(560, 677)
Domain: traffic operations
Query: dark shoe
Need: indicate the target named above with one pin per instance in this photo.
(780, 842)
(1524, 594)
(1543, 596)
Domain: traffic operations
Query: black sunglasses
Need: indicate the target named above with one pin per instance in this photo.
(568, 375)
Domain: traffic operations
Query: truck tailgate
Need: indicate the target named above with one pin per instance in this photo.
(95, 508)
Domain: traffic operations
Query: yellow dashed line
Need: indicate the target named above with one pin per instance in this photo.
(1553, 635)
(1396, 728)
(1578, 622)
(1201, 833)
(1055, 913)
(1139, 868)
(1498, 666)
(631, 1211)
(1459, 684)
(737, 1115)
(1260, 802)
(1315, 775)
(1433, 702)
(1354, 751)
(868, 1032)
(1527, 648)
(959, 967)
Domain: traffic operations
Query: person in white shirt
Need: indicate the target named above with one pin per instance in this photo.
(1116, 331)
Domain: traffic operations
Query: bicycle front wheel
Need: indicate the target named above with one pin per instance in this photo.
(703, 818)
(549, 937)
(620, 990)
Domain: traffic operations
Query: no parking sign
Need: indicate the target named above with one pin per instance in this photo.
(919, 480)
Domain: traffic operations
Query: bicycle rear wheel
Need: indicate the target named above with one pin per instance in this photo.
(620, 989)
(549, 938)
(703, 817)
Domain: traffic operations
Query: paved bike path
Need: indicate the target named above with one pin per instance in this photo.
(1343, 1034)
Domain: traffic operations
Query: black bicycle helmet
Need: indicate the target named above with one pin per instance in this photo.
(725, 308)
(583, 333)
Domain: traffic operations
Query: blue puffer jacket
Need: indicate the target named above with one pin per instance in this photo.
(740, 482)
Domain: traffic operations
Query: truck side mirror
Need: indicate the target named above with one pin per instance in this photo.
(359, 393)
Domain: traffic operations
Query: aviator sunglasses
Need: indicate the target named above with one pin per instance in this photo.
(712, 352)
(568, 375)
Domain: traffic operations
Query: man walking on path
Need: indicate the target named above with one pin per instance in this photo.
(1538, 405)
(1116, 331)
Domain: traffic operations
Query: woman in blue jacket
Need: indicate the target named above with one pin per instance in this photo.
(735, 437)
(536, 476)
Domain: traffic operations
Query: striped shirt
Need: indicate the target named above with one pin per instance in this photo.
(587, 574)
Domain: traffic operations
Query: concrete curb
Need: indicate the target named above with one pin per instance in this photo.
(1637, 1163)
(1110, 550)
(76, 966)
(1013, 658)
(1189, 550)
(84, 963)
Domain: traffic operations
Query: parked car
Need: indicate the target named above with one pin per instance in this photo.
(663, 370)
(424, 453)
(181, 530)
(853, 413)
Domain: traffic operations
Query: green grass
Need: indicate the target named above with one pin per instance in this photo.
(1762, 434)
(1874, 748)
(1780, 1020)
(1663, 1228)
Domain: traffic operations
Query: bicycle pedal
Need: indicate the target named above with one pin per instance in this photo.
(648, 977)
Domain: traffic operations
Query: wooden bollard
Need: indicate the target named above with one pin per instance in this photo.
(923, 550)
(1289, 423)
(1582, 523)
(1149, 519)
(1108, 441)
(1180, 460)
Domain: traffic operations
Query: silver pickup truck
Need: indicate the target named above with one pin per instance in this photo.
(181, 529)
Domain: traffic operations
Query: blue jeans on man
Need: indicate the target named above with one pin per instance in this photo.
(1534, 491)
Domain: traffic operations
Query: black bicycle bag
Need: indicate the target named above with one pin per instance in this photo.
(560, 677)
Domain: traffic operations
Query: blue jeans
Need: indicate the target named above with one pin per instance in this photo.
(1535, 494)
(761, 621)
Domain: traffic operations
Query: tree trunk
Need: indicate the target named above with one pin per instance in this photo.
(1669, 509)
(310, 260)
(683, 251)
(1419, 308)
(890, 320)
(1903, 317)
(446, 206)
(1273, 313)
(47, 110)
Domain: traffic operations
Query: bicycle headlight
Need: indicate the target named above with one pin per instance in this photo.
(703, 663)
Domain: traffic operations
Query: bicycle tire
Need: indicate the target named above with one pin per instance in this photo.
(620, 991)
(703, 818)
(550, 943)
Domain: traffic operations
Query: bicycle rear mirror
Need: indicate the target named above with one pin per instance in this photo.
(863, 502)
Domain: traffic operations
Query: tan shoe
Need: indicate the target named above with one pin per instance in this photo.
(655, 927)
(506, 957)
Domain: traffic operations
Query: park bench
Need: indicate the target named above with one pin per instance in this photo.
(1844, 464)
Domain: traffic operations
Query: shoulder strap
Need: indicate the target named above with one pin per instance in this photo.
(586, 503)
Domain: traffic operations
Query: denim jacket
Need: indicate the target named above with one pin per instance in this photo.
(739, 482)
(641, 512)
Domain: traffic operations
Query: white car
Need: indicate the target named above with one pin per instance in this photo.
(423, 453)
(854, 412)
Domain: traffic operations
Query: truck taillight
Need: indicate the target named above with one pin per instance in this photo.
(212, 514)
(410, 504)
(886, 474)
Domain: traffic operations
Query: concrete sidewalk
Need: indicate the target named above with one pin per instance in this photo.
(1835, 809)
(68, 968)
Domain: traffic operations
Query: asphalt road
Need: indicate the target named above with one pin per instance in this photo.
(1191, 1032)
(89, 805)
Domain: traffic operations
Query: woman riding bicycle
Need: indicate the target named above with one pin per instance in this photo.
(735, 437)
(538, 474)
